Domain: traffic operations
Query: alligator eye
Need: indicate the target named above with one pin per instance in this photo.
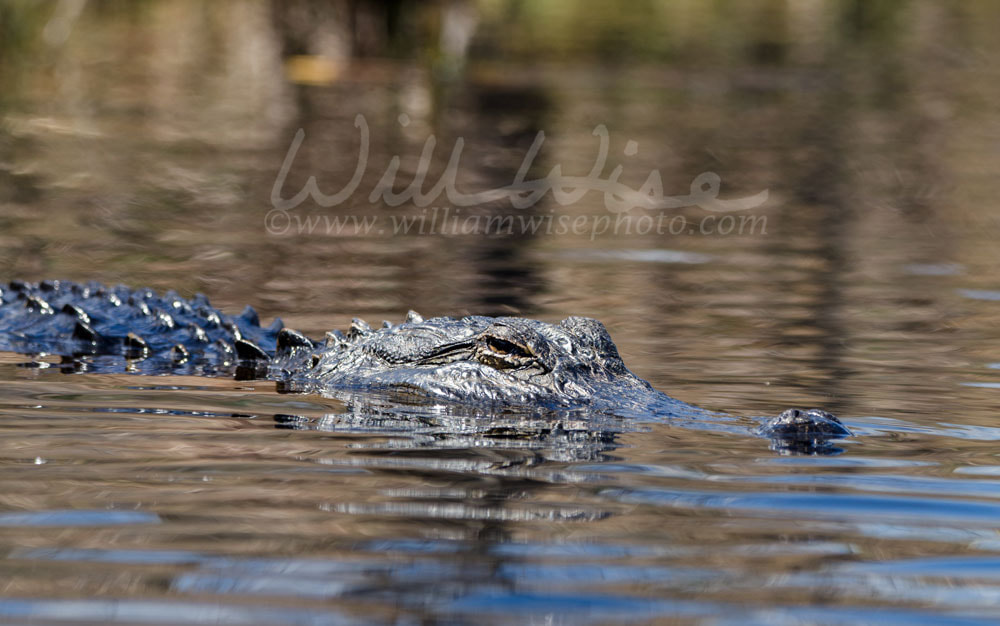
(502, 346)
(502, 353)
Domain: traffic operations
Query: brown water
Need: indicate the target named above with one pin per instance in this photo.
(140, 144)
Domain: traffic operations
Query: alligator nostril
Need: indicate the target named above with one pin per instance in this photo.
(804, 431)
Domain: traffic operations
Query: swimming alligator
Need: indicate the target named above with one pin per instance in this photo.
(500, 362)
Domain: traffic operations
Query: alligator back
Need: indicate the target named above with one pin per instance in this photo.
(122, 328)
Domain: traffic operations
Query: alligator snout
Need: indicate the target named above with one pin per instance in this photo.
(804, 431)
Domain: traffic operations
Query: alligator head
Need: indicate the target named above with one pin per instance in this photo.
(512, 362)
(481, 360)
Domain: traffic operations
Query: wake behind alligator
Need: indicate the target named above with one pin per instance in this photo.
(483, 361)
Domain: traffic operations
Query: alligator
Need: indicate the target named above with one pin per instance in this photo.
(474, 360)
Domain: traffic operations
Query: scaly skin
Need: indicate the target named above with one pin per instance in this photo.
(504, 361)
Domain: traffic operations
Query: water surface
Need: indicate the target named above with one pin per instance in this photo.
(141, 144)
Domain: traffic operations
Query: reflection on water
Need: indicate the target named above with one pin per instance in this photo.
(122, 485)
(139, 143)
